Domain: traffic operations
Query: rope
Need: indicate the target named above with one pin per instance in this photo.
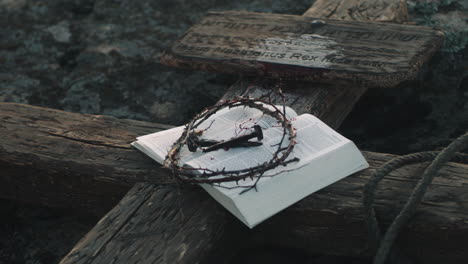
(383, 246)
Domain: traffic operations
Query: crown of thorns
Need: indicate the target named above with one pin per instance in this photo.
(206, 175)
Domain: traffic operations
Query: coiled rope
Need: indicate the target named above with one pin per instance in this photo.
(383, 246)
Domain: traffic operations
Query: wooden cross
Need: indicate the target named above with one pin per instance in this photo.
(162, 224)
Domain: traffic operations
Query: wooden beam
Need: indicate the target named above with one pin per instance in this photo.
(83, 143)
(330, 103)
(54, 157)
(156, 225)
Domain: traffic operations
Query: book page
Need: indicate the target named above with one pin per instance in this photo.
(314, 138)
(158, 143)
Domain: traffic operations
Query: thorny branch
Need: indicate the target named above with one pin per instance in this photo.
(216, 177)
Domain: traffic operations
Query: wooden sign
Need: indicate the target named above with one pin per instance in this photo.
(296, 47)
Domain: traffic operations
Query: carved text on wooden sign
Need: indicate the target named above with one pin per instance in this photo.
(374, 54)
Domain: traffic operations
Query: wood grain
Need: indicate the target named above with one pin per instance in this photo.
(49, 139)
(362, 10)
(305, 48)
(155, 225)
(54, 157)
(330, 103)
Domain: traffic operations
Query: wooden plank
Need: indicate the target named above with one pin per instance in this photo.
(174, 219)
(84, 143)
(298, 47)
(54, 157)
(154, 225)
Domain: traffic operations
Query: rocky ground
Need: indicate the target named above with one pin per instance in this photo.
(101, 57)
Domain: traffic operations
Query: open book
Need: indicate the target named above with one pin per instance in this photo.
(324, 158)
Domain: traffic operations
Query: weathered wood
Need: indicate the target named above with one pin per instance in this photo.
(74, 144)
(54, 157)
(298, 47)
(331, 103)
(362, 10)
(155, 225)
